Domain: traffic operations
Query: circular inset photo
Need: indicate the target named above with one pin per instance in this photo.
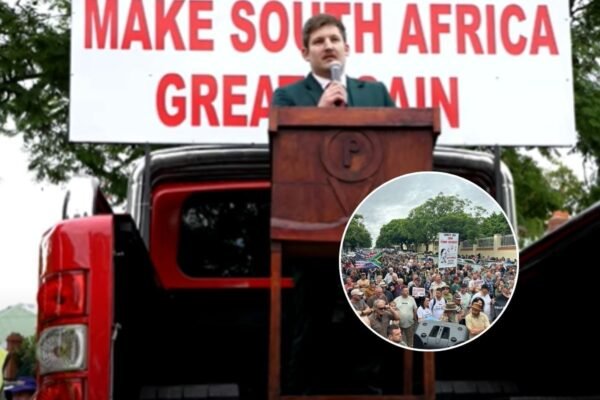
(429, 261)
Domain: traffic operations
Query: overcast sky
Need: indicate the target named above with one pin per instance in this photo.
(397, 198)
(26, 211)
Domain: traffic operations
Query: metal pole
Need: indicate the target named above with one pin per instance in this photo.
(498, 176)
(145, 204)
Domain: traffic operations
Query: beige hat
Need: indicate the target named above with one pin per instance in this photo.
(451, 306)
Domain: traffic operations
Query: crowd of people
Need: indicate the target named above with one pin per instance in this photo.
(401, 290)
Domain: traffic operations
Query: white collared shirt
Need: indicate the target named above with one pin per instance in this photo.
(324, 82)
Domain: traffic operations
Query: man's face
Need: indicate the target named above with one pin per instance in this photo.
(396, 336)
(325, 47)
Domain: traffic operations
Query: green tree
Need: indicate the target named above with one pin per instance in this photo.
(569, 189)
(34, 94)
(27, 359)
(494, 224)
(443, 214)
(536, 199)
(357, 235)
(585, 36)
(394, 233)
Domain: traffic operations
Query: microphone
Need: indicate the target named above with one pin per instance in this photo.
(336, 76)
(336, 72)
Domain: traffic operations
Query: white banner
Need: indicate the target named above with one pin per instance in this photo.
(447, 250)
(172, 71)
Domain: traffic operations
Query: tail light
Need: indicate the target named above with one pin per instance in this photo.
(62, 295)
(62, 348)
(71, 389)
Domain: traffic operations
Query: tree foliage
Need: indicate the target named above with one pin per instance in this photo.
(535, 199)
(495, 224)
(437, 215)
(394, 233)
(34, 94)
(357, 235)
(443, 214)
(585, 35)
(568, 188)
(27, 361)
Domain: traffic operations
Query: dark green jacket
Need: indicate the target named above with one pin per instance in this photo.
(308, 91)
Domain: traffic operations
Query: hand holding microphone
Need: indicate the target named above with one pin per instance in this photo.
(335, 94)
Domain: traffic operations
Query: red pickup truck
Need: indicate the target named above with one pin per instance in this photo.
(171, 298)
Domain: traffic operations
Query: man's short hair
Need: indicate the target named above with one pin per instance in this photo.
(317, 22)
(392, 328)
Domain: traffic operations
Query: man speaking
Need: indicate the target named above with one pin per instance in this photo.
(326, 49)
(324, 326)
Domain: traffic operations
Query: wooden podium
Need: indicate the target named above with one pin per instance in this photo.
(324, 162)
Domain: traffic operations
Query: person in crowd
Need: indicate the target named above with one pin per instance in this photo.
(501, 300)
(455, 287)
(489, 280)
(437, 304)
(395, 335)
(407, 308)
(398, 284)
(476, 321)
(487, 300)
(460, 312)
(359, 304)
(348, 284)
(465, 297)
(424, 312)
(450, 311)
(10, 367)
(389, 276)
(416, 283)
(370, 290)
(447, 294)
(436, 283)
(475, 283)
(379, 294)
(381, 317)
(363, 282)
